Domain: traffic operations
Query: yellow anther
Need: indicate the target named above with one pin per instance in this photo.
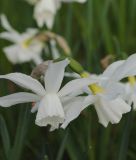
(26, 43)
(95, 88)
(132, 80)
(84, 74)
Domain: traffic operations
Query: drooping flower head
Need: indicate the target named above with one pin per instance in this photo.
(107, 95)
(45, 10)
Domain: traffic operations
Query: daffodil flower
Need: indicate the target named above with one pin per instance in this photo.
(107, 95)
(24, 47)
(50, 102)
(107, 101)
(127, 69)
(45, 11)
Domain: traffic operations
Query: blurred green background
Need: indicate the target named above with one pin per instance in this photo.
(93, 30)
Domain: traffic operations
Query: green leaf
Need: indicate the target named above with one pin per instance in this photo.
(5, 136)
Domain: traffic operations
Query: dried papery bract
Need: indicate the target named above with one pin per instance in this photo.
(105, 62)
(47, 36)
(40, 70)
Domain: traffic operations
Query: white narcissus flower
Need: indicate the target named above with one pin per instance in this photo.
(107, 102)
(25, 48)
(107, 95)
(127, 69)
(45, 11)
(49, 101)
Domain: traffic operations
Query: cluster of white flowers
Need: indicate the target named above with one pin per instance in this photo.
(58, 107)
(26, 46)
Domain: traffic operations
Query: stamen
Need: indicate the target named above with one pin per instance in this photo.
(95, 88)
(26, 43)
(132, 80)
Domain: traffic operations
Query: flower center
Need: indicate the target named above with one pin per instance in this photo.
(26, 43)
(132, 80)
(95, 88)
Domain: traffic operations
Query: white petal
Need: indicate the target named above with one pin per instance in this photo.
(16, 54)
(54, 50)
(5, 23)
(72, 109)
(54, 75)
(50, 111)
(30, 32)
(52, 128)
(90, 99)
(44, 12)
(10, 36)
(76, 84)
(25, 81)
(133, 100)
(72, 75)
(128, 68)
(16, 98)
(112, 68)
(12, 53)
(113, 90)
(37, 59)
(111, 111)
(24, 55)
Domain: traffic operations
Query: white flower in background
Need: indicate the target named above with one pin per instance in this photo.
(107, 95)
(24, 48)
(49, 101)
(45, 11)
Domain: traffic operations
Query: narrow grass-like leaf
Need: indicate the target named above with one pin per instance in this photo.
(62, 146)
(104, 140)
(20, 134)
(122, 22)
(5, 136)
(125, 138)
